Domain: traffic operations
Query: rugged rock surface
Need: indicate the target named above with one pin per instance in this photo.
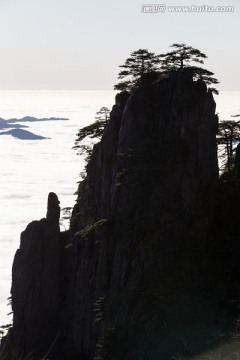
(136, 282)
(36, 284)
(141, 225)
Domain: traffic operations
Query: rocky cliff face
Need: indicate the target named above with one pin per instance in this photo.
(134, 272)
(36, 286)
(141, 225)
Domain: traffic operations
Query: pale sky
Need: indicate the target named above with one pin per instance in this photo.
(76, 44)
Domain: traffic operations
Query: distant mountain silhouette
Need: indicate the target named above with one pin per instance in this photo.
(10, 123)
(23, 134)
(31, 119)
(5, 125)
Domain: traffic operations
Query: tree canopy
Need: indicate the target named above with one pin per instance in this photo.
(181, 56)
(144, 67)
(139, 69)
(206, 76)
(185, 56)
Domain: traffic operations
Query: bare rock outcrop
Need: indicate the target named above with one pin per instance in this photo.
(36, 284)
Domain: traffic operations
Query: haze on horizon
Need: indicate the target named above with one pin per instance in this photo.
(73, 45)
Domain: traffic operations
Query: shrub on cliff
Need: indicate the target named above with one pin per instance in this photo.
(92, 131)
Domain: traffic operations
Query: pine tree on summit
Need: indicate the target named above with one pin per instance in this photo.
(183, 56)
(140, 69)
(144, 67)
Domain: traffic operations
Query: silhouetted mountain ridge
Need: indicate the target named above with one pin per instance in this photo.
(6, 125)
(32, 119)
(23, 134)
